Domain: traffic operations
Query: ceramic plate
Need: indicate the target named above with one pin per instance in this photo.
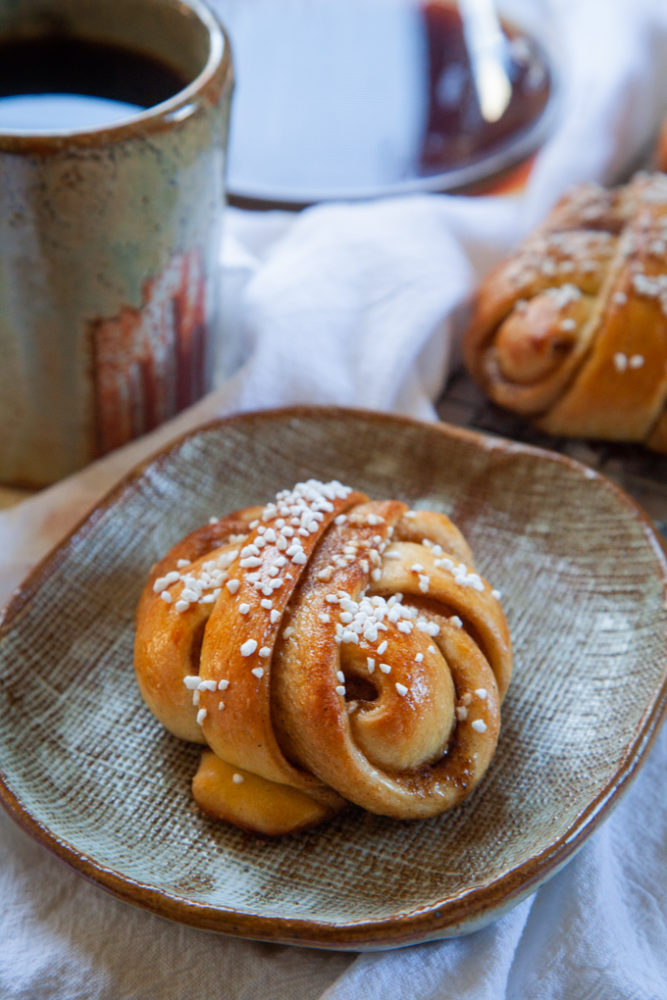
(377, 117)
(88, 771)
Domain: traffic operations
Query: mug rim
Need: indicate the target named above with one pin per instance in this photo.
(179, 107)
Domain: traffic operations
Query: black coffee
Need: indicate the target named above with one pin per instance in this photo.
(62, 82)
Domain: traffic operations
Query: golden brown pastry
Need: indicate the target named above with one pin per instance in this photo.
(325, 649)
(572, 330)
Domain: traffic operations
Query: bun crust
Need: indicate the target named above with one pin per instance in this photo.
(572, 330)
(327, 649)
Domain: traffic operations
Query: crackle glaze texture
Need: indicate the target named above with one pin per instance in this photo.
(91, 773)
(108, 244)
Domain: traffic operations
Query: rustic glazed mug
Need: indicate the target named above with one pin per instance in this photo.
(109, 233)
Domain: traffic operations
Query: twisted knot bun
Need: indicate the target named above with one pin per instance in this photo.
(572, 330)
(326, 648)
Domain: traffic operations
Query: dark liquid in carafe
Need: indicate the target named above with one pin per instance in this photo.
(456, 132)
(61, 82)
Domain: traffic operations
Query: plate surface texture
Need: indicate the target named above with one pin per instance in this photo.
(88, 771)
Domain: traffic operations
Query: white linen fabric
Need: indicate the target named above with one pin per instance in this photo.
(361, 304)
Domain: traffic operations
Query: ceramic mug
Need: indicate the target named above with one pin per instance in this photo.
(109, 234)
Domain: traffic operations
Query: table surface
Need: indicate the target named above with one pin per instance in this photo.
(640, 472)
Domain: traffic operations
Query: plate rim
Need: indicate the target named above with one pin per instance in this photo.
(468, 910)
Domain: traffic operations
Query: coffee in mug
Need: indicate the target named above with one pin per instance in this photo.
(113, 130)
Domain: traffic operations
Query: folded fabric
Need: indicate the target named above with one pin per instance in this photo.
(361, 304)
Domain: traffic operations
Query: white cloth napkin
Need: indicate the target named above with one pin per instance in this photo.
(361, 304)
